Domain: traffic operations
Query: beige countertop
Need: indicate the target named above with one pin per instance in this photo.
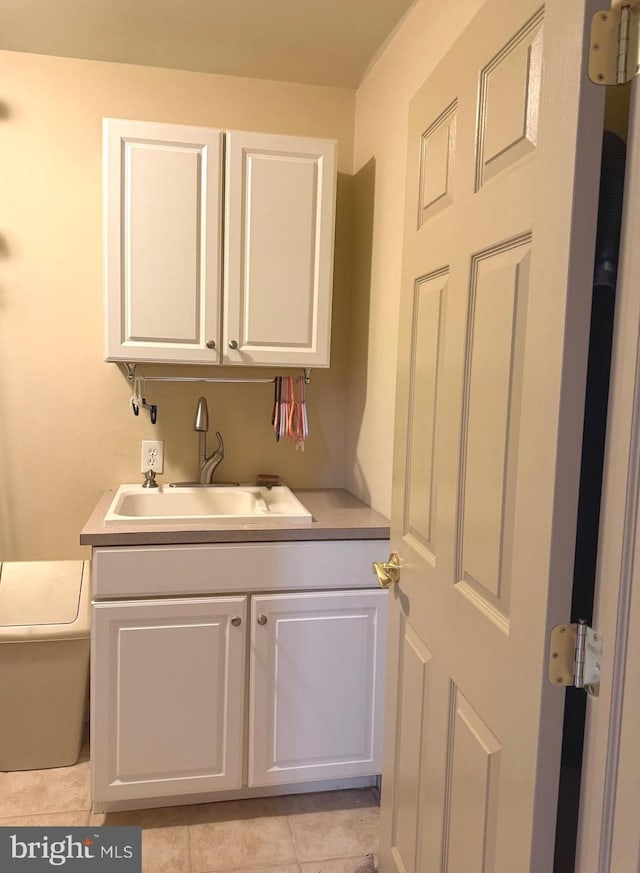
(337, 515)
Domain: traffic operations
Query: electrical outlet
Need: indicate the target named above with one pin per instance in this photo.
(152, 456)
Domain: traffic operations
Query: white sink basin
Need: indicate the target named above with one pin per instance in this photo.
(243, 504)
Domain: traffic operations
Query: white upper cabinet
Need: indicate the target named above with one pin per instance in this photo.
(280, 218)
(163, 235)
(167, 288)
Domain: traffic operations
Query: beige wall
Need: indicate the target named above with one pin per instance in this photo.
(66, 429)
(379, 165)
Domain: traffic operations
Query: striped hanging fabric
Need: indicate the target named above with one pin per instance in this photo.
(289, 417)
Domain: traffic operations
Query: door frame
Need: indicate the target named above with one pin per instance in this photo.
(607, 760)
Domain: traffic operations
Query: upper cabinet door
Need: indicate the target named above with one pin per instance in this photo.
(280, 215)
(163, 196)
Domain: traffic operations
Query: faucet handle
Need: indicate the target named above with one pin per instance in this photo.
(150, 479)
(201, 422)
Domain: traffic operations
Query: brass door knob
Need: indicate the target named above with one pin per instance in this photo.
(388, 572)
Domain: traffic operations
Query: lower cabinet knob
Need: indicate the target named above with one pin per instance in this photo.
(233, 344)
(262, 618)
(236, 621)
(211, 344)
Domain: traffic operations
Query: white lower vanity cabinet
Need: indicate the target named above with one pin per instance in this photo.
(234, 692)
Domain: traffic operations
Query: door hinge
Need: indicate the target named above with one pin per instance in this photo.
(575, 657)
(615, 45)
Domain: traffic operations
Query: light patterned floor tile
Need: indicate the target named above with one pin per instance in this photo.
(335, 833)
(165, 836)
(248, 842)
(262, 835)
(166, 850)
(31, 792)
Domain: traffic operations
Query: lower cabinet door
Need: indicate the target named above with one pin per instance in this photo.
(316, 686)
(167, 697)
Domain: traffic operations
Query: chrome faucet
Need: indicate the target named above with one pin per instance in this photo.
(206, 466)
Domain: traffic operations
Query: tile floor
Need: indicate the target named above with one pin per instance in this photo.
(330, 832)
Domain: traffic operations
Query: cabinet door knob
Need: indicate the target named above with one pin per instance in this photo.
(236, 621)
(233, 344)
(211, 344)
(262, 618)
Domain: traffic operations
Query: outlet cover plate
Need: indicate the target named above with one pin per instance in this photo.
(152, 456)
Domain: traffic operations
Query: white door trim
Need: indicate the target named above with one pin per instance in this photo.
(607, 760)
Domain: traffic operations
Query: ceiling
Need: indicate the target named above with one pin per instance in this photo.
(320, 42)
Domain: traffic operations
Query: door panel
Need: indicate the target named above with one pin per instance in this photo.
(437, 165)
(492, 391)
(163, 261)
(413, 705)
(471, 803)
(280, 204)
(491, 373)
(429, 310)
(162, 219)
(509, 102)
(317, 671)
(167, 699)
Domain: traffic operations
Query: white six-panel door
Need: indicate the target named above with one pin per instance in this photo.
(167, 697)
(316, 686)
(502, 179)
(279, 219)
(163, 241)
